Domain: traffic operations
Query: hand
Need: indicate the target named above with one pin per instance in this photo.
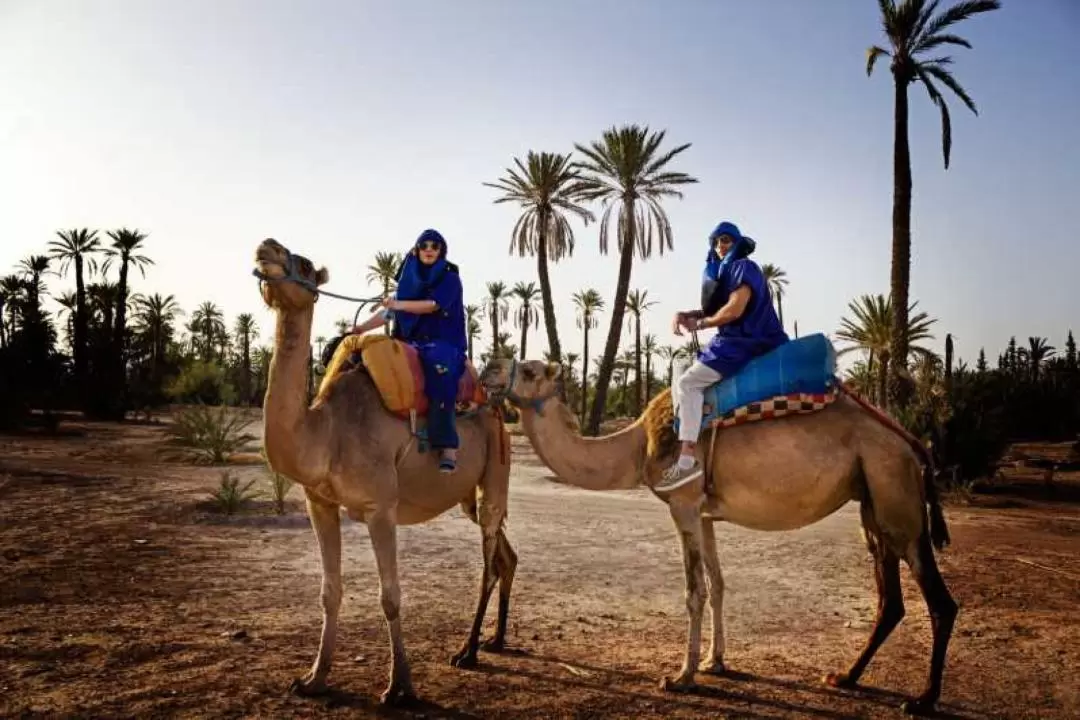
(388, 302)
(677, 323)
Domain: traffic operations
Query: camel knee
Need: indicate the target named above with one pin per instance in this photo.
(695, 600)
(330, 596)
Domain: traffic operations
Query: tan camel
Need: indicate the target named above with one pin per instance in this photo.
(778, 474)
(348, 451)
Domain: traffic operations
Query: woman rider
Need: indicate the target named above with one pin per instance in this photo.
(735, 299)
(429, 315)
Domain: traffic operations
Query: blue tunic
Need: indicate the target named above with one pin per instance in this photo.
(755, 333)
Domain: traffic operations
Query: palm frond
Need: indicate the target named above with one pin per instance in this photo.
(946, 78)
(872, 54)
(957, 13)
(946, 121)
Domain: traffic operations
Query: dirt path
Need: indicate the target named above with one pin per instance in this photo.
(120, 595)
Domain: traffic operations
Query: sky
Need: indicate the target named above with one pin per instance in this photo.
(345, 128)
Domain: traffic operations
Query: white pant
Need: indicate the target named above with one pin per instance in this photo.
(688, 394)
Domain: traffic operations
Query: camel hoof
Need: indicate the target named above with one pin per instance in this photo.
(678, 685)
(398, 696)
(920, 706)
(464, 660)
(494, 645)
(839, 680)
(307, 687)
(716, 667)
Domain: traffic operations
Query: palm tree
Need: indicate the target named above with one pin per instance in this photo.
(68, 304)
(670, 354)
(33, 268)
(776, 280)
(154, 316)
(78, 248)
(383, 272)
(547, 187)
(913, 31)
(871, 331)
(244, 330)
(526, 313)
(342, 325)
(496, 307)
(1037, 352)
(588, 303)
(125, 247)
(473, 313)
(627, 172)
(636, 304)
(207, 325)
(648, 350)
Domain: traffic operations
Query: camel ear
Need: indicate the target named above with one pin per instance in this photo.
(322, 276)
(553, 371)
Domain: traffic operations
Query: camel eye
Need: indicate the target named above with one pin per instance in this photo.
(528, 373)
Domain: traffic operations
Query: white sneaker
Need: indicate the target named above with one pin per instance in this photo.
(675, 477)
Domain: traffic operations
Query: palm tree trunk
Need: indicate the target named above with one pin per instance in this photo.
(780, 309)
(637, 364)
(648, 379)
(524, 334)
(245, 352)
(119, 337)
(585, 370)
(554, 349)
(883, 376)
(385, 292)
(470, 347)
(618, 312)
(80, 348)
(899, 393)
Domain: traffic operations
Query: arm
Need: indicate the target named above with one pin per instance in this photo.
(416, 307)
(732, 310)
(375, 321)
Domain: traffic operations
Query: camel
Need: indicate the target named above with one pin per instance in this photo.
(348, 451)
(778, 474)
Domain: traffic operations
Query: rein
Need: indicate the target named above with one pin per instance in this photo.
(292, 274)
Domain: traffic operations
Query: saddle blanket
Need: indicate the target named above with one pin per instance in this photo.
(779, 406)
(395, 368)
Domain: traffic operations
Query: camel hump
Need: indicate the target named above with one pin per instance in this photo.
(395, 368)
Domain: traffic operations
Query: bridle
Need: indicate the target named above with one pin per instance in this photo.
(292, 274)
(536, 404)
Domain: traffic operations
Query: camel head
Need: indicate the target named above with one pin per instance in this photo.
(288, 281)
(529, 382)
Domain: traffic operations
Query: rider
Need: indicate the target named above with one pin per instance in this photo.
(429, 315)
(735, 299)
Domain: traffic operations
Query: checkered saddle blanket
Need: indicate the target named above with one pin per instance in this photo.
(774, 407)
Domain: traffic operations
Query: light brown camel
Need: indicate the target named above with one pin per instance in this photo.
(778, 474)
(348, 451)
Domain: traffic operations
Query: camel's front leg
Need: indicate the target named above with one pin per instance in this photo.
(687, 516)
(714, 663)
(382, 528)
(327, 525)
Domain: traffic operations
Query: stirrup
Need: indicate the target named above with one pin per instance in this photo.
(447, 465)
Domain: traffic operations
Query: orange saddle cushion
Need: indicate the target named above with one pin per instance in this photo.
(395, 368)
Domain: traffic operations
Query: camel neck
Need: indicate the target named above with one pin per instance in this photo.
(612, 462)
(286, 435)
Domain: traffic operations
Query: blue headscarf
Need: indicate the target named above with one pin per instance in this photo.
(715, 267)
(415, 278)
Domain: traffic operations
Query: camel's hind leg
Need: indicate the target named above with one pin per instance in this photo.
(890, 599)
(687, 516)
(943, 611)
(326, 523)
(714, 663)
(505, 566)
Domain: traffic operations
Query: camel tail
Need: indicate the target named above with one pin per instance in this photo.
(939, 529)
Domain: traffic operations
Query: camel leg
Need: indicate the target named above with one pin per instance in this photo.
(890, 609)
(714, 664)
(326, 523)
(687, 517)
(943, 610)
(466, 656)
(505, 565)
(382, 528)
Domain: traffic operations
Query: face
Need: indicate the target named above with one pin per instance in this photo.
(428, 251)
(723, 245)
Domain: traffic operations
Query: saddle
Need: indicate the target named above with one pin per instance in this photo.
(394, 366)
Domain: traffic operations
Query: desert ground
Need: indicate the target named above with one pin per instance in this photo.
(124, 593)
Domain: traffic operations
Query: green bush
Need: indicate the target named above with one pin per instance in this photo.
(279, 486)
(230, 496)
(213, 434)
(203, 382)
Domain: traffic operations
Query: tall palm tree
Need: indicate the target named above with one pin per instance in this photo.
(473, 313)
(496, 307)
(588, 303)
(547, 187)
(637, 302)
(526, 313)
(124, 250)
(154, 317)
(648, 350)
(383, 272)
(78, 248)
(1037, 352)
(870, 330)
(207, 325)
(626, 170)
(32, 269)
(245, 329)
(776, 280)
(913, 31)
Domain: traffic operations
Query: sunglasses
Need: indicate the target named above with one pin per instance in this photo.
(429, 245)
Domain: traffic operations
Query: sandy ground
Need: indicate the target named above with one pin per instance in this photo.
(123, 594)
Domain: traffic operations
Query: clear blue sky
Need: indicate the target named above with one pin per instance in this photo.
(343, 128)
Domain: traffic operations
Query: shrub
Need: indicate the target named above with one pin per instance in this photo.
(202, 382)
(213, 434)
(230, 496)
(279, 486)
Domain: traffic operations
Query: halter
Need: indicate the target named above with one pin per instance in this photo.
(536, 404)
(292, 274)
